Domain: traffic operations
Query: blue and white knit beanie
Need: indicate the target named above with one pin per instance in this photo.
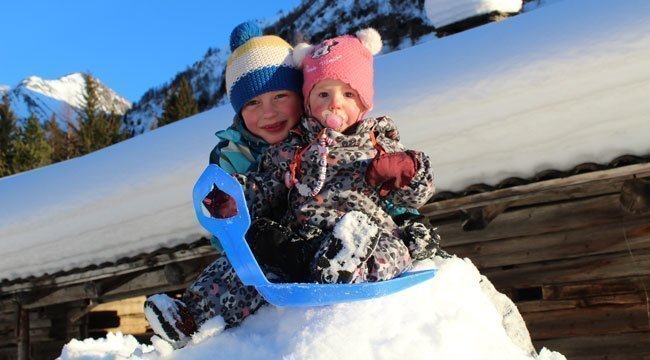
(259, 64)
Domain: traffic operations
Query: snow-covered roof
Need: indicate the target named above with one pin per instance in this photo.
(508, 99)
(445, 12)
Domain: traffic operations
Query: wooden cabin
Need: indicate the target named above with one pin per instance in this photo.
(38, 315)
(571, 248)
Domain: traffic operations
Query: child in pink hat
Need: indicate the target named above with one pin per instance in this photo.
(338, 169)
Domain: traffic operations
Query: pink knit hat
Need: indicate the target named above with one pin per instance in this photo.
(346, 58)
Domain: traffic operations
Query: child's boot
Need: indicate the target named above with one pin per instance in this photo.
(170, 319)
(343, 254)
(280, 250)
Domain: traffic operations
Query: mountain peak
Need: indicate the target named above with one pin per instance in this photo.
(60, 97)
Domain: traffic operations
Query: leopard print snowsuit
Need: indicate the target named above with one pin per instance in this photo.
(344, 190)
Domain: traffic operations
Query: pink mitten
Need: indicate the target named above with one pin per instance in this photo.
(220, 205)
(391, 171)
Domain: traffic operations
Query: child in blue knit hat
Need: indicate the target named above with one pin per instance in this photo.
(264, 89)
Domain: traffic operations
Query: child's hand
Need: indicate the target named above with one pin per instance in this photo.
(220, 205)
(391, 171)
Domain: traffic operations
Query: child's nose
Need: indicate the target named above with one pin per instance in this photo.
(268, 109)
(336, 101)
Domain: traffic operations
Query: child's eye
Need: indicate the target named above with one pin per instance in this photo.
(323, 94)
(281, 96)
(252, 103)
(350, 94)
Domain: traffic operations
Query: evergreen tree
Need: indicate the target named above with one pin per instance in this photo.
(180, 104)
(59, 140)
(95, 129)
(8, 133)
(31, 149)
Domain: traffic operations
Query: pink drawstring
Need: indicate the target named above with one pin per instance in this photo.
(290, 177)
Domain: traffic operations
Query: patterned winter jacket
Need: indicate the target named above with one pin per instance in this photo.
(238, 150)
(345, 188)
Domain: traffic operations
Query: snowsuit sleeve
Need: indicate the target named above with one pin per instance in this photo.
(264, 189)
(421, 187)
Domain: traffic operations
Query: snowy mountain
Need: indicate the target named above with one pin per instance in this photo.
(206, 78)
(61, 97)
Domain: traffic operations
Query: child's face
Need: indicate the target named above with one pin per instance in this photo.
(272, 114)
(335, 96)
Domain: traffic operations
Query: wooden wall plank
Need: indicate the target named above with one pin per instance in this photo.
(594, 301)
(592, 288)
(592, 240)
(564, 216)
(610, 319)
(597, 267)
(632, 345)
(564, 188)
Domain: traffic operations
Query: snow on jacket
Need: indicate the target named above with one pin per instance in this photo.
(345, 188)
(238, 150)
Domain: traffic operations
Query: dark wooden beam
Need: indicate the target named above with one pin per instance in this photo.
(572, 187)
(584, 321)
(479, 218)
(630, 345)
(111, 271)
(542, 219)
(635, 196)
(588, 268)
(22, 336)
(592, 239)
(174, 274)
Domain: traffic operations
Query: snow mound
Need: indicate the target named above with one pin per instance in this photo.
(447, 317)
(114, 346)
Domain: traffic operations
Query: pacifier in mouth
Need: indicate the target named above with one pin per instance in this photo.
(332, 120)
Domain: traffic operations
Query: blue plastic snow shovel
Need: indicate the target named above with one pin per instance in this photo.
(231, 231)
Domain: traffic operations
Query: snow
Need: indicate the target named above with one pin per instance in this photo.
(445, 12)
(116, 346)
(520, 96)
(61, 97)
(507, 99)
(355, 230)
(64, 89)
(448, 317)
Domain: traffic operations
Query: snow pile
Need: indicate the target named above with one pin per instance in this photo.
(448, 317)
(356, 231)
(445, 12)
(114, 346)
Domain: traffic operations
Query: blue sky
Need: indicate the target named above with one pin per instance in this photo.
(130, 46)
